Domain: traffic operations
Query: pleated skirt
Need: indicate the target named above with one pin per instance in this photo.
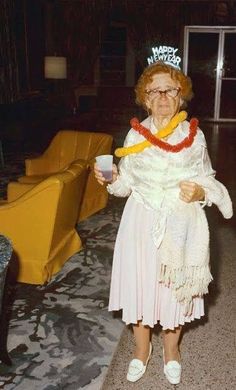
(135, 286)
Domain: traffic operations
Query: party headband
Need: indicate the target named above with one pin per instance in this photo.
(166, 54)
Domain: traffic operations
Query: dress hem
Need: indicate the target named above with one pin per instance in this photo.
(159, 322)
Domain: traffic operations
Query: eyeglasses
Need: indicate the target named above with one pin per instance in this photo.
(171, 92)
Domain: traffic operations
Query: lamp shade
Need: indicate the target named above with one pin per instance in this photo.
(55, 67)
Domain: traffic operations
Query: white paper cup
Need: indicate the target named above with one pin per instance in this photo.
(105, 164)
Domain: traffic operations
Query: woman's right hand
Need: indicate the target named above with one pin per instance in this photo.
(99, 176)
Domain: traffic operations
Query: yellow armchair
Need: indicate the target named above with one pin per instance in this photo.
(41, 223)
(68, 146)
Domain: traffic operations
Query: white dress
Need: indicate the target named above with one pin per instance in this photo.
(157, 226)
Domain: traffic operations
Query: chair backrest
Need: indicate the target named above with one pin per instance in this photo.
(69, 145)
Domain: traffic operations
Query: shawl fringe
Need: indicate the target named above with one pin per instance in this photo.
(186, 282)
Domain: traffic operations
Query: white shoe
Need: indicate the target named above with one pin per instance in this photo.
(172, 371)
(137, 368)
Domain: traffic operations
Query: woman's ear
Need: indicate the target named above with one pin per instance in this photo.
(182, 104)
(148, 109)
(147, 103)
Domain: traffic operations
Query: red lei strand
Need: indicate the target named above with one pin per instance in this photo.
(185, 143)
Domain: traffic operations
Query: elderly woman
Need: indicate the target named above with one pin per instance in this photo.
(161, 258)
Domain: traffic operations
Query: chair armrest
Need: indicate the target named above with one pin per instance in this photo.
(80, 163)
(16, 189)
(27, 218)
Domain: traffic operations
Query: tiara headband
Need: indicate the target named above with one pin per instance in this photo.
(166, 54)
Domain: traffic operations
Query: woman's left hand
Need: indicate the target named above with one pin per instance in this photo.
(191, 192)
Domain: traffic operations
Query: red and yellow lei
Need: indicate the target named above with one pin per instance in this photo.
(154, 139)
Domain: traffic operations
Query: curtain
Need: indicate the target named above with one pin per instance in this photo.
(9, 80)
(77, 27)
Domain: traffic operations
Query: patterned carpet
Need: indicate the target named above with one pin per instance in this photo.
(61, 335)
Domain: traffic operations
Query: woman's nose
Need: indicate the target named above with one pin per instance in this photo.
(163, 94)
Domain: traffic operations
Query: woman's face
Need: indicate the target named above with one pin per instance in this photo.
(163, 104)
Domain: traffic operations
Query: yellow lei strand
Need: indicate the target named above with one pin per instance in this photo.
(162, 133)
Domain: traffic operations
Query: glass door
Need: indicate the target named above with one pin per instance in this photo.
(210, 62)
(227, 104)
